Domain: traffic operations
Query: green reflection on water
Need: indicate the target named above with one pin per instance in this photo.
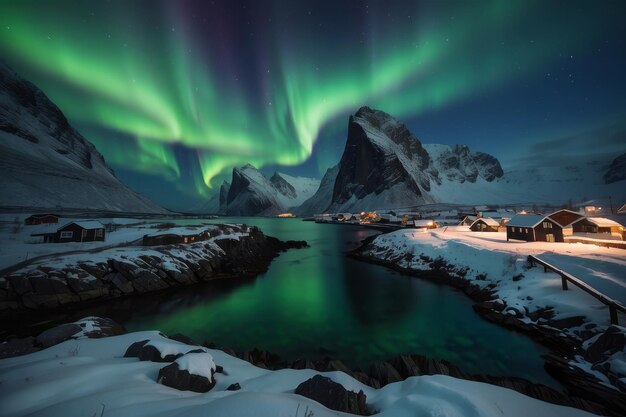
(316, 302)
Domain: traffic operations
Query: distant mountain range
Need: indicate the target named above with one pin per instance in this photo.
(385, 166)
(250, 193)
(46, 163)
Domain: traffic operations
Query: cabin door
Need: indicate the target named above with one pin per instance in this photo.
(549, 237)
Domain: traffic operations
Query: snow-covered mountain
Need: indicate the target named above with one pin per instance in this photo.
(251, 193)
(617, 170)
(322, 198)
(385, 166)
(46, 163)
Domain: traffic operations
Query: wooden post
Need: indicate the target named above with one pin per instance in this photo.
(564, 282)
(545, 268)
(613, 314)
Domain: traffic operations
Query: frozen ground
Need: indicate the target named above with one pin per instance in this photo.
(17, 244)
(490, 254)
(89, 377)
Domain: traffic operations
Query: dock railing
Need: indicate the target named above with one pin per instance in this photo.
(614, 306)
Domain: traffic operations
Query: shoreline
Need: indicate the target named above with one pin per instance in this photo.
(68, 281)
(563, 348)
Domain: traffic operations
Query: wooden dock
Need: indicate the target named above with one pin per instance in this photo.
(614, 306)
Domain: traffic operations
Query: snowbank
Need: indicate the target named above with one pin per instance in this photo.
(88, 377)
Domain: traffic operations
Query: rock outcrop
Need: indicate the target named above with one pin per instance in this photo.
(193, 371)
(234, 251)
(46, 163)
(333, 395)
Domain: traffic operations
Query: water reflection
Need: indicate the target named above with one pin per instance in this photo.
(316, 302)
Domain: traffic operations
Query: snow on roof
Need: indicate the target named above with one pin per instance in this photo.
(601, 221)
(86, 224)
(525, 220)
(487, 220)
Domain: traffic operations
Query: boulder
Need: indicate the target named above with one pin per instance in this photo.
(18, 347)
(234, 387)
(146, 352)
(57, 334)
(192, 372)
(333, 395)
(567, 322)
(97, 327)
(611, 341)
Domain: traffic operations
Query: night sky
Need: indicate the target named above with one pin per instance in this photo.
(174, 94)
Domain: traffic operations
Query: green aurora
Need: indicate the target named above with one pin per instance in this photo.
(141, 79)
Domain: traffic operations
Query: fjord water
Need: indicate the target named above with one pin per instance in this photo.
(316, 302)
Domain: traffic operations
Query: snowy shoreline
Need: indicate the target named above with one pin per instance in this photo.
(496, 276)
(84, 376)
(67, 280)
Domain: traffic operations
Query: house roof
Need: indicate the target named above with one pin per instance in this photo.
(487, 220)
(86, 224)
(565, 217)
(601, 221)
(525, 220)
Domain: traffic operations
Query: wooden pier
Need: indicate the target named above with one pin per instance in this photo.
(614, 306)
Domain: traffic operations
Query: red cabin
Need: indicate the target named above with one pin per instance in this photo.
(41, 219)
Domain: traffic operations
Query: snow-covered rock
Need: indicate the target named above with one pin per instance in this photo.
(90, 377)
(191, 372)
(46, 163)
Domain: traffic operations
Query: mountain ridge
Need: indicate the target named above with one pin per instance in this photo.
(46, 163)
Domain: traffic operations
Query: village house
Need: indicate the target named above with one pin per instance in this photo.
(176, 236)
(81, 231)
(485, 224)
(534, 228)
(41, 219)
(598, 227)
(565, 218)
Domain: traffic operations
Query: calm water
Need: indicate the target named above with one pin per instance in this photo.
(317, 302)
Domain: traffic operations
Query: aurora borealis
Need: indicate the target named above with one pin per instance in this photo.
(175, 94)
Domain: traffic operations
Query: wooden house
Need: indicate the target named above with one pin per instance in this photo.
(485, 224)
(425, 224)
(534, 228)
(598, 225)
(81, 231)
(176, 236)
(41, 219)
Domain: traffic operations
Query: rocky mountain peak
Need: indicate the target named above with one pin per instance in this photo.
(283, 186)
